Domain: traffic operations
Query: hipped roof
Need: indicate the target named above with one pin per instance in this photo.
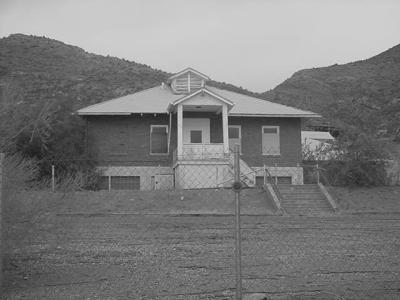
(159, 100)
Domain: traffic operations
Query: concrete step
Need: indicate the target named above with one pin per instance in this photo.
(304, 200)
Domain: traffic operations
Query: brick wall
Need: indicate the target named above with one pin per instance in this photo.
(290, 140)
(125, 140)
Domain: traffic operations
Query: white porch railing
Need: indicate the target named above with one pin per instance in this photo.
(201, 152)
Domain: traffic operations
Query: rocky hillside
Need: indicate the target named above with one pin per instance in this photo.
(367, 90)
(36, 70)
(41, 68)
(48, 69)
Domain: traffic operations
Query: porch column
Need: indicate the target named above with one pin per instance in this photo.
(180, 130)
(225, 127)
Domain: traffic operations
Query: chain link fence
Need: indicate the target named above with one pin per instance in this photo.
(196, 167)
(193, 170)
(190, 173)
(136, 175)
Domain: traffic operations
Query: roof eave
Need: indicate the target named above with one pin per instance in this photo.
(101, 113)
(276, 115)
(119, 113)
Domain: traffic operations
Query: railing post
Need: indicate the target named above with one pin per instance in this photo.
(317, 173)
(238, 254)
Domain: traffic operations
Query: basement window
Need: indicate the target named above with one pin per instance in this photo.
(159, 139)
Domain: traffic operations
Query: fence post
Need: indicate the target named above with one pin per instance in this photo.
(2, 179)
(317, 173)
(265, 175)
(53, 181)
(238, 250)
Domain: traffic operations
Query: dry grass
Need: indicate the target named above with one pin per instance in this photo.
(367, 199)
(206, 201)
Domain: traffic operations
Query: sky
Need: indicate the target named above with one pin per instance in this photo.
(255, 44)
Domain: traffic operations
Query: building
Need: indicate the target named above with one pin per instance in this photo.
(181, 134)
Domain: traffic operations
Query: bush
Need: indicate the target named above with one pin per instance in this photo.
(355, 158)
(79, 179)
(20, 173)
(354, 172)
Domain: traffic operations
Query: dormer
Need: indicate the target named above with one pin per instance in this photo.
(187, 81)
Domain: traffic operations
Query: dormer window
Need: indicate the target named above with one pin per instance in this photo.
(187, 81)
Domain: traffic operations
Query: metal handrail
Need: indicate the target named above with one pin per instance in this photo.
(242, 174)
(267, 174)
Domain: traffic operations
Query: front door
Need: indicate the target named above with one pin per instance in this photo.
(235, 137)
(162, 182)
(196, 131)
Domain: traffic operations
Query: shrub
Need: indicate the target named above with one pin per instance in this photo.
(355, 158)
(79, 179)
(353, 172)
(20, 173)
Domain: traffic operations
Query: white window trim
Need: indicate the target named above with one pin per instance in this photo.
(151, 131)
(279, 137)
(240, 135)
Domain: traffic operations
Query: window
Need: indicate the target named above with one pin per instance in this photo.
(196, 136)
(235, 137)
(159, 139)
(119, 183)
(270, 140)
(234, 132)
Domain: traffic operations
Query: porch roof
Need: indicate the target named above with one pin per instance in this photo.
(160, 98)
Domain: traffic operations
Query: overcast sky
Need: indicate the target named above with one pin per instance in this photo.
(251, 43)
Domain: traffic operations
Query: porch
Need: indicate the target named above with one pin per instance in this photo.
(212, 152)
(199, 117)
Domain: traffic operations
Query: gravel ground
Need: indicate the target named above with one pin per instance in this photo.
(191, 257)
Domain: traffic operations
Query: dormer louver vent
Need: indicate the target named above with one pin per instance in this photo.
(195, 82)
(180, 84)
(187, 81)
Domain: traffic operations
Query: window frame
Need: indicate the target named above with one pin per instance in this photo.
(279, 139)
(151, 131)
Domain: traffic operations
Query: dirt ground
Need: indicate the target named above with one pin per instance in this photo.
(191, 257)
(57, 252)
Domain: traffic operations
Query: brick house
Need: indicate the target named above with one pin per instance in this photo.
(181, 134)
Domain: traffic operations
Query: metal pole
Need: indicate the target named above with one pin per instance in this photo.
(2, 196)
(53, 180)
(238, 254)
(265, 175)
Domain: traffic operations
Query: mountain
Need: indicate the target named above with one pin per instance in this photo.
(366, 91)
(45, 69)
(40, 72)
(48, 69)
